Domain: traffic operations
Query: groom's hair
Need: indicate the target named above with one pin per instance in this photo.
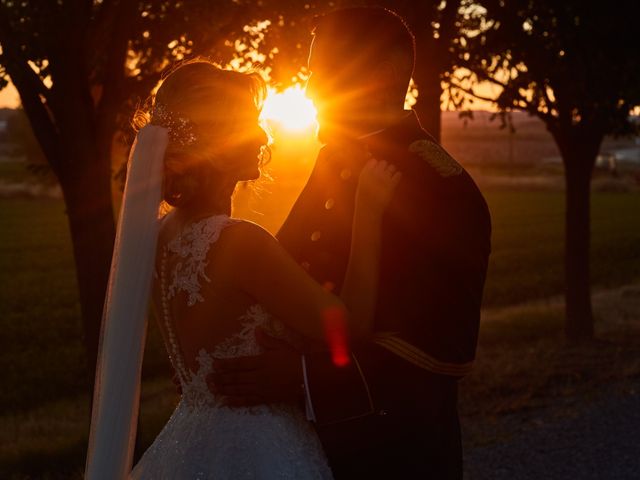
(363, 37)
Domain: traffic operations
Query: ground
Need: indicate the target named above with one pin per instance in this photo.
(587, 439)
(576, 415)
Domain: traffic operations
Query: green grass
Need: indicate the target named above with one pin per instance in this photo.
(18, 171)
(528, 244)
(41, 343)
(44, 419)
(13, 171)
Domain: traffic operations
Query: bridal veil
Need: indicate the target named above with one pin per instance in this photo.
(124, 323)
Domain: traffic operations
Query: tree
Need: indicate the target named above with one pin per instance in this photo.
(81, 68)
(20, 134)
(574, 65)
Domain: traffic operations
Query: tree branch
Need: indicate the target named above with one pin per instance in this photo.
(11, 51)
(100, 29)
(518, 102)
(113, 83)
(30, 88)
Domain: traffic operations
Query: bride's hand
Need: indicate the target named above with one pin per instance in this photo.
(376, 185)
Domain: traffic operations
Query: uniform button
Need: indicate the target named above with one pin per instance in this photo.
(329, 204)
(315, 236)
(329, 286)
(345, 174)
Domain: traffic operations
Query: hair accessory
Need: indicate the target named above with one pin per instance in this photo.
(265, 155)
(180, 128)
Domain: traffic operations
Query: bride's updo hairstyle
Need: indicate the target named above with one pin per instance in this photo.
(203, 107)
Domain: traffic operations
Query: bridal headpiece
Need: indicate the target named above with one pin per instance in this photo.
(181, 129)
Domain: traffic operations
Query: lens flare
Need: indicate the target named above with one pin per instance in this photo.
(335, 328)
(290, 108)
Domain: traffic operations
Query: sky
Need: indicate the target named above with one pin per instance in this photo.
(9, 97)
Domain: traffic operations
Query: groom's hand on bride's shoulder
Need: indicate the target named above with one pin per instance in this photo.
(275, 376)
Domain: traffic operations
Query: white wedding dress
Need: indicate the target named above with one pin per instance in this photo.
(204, 439)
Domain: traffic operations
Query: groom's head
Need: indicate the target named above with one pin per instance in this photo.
(361, 62)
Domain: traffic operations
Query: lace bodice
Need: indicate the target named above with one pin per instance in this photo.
(192, 247)
(195, 391)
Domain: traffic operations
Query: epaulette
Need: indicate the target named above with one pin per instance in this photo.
(437, 157)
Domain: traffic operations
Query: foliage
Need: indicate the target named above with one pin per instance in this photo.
(119, 48)
(570, 63)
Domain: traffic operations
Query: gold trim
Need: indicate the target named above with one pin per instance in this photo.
(437, 157)
(420, 358)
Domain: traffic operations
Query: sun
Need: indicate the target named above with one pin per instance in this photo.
(290, 108)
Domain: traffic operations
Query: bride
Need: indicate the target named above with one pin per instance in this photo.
(213, 280)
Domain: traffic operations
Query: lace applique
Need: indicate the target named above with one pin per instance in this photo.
(195, 391)
(192, 246)
(242, 343)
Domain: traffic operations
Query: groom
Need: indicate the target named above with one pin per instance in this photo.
(391, 412)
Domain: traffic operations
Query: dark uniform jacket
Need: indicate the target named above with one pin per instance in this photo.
(435, 248)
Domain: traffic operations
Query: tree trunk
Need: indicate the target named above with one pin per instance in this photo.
(427, 78)
(578, 162)
(87, 195)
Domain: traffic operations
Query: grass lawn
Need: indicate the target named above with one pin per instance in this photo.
(18, 171)
(43, 424)
(528, 244)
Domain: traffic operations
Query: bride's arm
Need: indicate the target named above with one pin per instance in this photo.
(258, 265)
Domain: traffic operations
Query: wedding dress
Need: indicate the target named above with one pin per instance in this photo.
(204, 439)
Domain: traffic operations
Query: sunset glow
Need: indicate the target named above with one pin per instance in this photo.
(290, 108)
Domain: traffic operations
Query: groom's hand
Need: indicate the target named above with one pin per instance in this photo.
(272, 377)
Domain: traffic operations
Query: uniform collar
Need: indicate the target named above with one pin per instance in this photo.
(407, 115)
(382, 142)
(400, 135)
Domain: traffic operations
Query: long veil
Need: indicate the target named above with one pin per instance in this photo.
(124, 322)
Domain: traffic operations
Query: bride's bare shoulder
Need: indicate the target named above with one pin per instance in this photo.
(166, 227)
(244, 236)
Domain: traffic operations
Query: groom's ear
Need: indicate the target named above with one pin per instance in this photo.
(385, 78)
(386, 72)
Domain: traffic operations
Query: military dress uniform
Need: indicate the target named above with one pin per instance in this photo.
(392, 411)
